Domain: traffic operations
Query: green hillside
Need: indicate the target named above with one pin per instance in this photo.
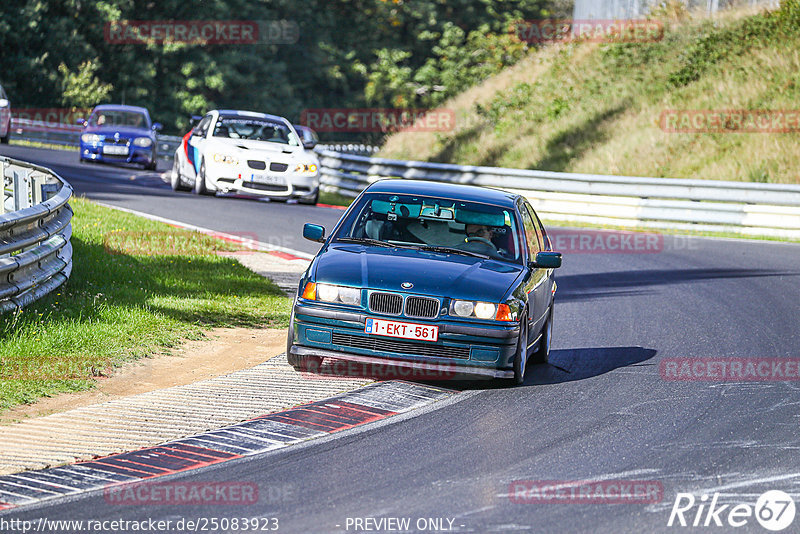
(597, 108)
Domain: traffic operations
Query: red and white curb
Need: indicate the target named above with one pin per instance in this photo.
(371, 403)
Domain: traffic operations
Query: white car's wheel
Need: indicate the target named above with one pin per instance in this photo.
(200, 187)
(176, 179)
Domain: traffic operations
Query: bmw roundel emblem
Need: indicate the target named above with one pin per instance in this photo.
(406, 285)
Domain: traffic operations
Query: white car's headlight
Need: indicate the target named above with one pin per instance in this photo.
(345, 295)
(306, 168)
(143, 142)
(90, 138)
(482, 310)
(226, 158)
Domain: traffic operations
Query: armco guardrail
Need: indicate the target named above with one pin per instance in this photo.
(704, 205)
(35, 231)
(69, 135)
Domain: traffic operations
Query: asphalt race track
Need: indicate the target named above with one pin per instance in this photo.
(601, 411)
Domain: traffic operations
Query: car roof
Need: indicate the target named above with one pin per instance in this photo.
(241, 113)
(468, 193)
(121, 107)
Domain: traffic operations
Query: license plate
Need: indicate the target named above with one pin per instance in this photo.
(268, 179)
(115, 150)
(381, 327)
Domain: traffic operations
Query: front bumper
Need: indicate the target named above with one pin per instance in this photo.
(279, 185)
(472, 349)
(137, 155)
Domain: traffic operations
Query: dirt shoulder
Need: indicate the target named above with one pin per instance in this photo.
(222, 351)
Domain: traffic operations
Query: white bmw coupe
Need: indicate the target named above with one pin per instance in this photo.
(249, 153)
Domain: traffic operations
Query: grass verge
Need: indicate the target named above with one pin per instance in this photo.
(138, 287)
(598, 108)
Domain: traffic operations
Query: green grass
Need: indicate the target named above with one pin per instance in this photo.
(596, 108)
(122, 304)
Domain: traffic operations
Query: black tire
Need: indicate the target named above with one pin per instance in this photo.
(175, 179)
(200, 181)
(4, 140)
(151, 166)
(521, 356)
(310, 201)
(300, 363)
(542, 354)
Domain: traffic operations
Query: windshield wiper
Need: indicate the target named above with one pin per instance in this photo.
(435, 248)
(365, 241)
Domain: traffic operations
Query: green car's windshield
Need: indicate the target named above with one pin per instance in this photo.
(434, 224)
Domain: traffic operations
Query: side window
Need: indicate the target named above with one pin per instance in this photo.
(202, 127)
(540, 233)
(530, 234)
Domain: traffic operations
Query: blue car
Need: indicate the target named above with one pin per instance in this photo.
(430, 276)
(119, 134)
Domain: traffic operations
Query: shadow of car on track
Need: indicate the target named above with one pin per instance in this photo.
(565, 365)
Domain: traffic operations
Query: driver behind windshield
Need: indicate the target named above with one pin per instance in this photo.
(479, 230)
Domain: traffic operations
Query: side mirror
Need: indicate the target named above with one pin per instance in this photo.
(157, 126)
(80, 122)
(547, 260)
(308, 145)
(314, 232)
(195, 119)
(4, 103)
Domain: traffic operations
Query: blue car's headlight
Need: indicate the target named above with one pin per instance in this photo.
(345, 295)
(143, 142)
(90, 138)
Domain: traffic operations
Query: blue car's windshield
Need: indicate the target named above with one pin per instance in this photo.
(131, 119)
(427, 222)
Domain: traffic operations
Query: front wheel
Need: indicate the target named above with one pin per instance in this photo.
(300, 363)
(175, 179)
(521, 357)
(542, 354)
(312, 201)
(200, 181)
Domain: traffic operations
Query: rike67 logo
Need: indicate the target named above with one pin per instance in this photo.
(774, 510)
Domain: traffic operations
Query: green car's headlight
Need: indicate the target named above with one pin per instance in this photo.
(143, 142)
(345, 295)
(481, 310)
(90, 138)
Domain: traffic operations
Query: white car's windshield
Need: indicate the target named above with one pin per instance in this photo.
(429, 222)
(255, 129)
